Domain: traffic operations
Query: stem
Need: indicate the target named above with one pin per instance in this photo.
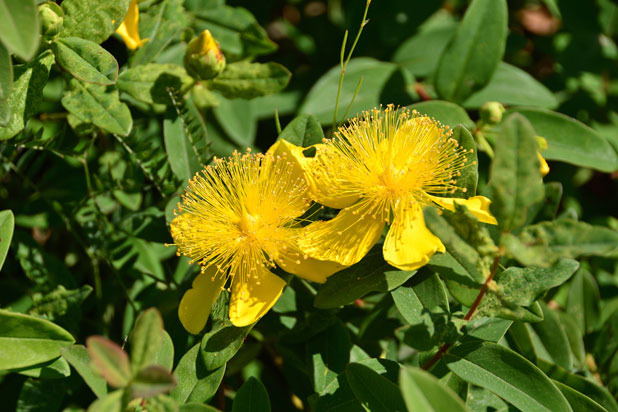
(444, 348)
(484, 144)
(277, 122)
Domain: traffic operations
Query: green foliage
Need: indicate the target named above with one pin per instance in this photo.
(97, 142)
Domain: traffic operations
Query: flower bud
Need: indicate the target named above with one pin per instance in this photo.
(203, 58)
(491, 113)
(51, 16)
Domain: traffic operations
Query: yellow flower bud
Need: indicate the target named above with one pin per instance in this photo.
(203, 58)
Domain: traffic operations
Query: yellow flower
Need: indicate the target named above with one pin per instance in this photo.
(239, 218)
(381, 169)
(128, 30)
(544, 166)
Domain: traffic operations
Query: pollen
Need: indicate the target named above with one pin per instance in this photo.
(237, 214)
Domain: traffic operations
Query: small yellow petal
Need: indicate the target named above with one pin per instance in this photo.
(294, 154)
(409, 244)
(128, 30)
(345, 239)
(544, 165)
(253, 297)
(197, 302)
(292, 260)
(477, 205)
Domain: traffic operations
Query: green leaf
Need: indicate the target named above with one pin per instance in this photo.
(85, 60)
(422, 392)
(151, 381)
(54, 369)
(20, 32)
(93, 20)
(305, 130)
(521, 287)
(100, 106)
(165, 357)
(420, 54)
(110, 360)
(321, 98)
(7, 224)
(235, 28)
(246, 80)
(194, 382)
(23, 102)
(26, 340)
(473, 55)
(77, 356)
(149, 83)
(511, 85)
(447, 113)
(554, 338)
(146, 339)
(507, 374)
(571, 141)
(375, 393)
(425, 291)
(237, 120)
(160, 23)
(372, 274)
(219, 345)
(251, 397)
(6, 84)
(584, 301)
(112, 402)
(330, 353)
(468, 180)
(577, 400)
(196, 407)
(515, 180)
(182, 153)
(543, 243)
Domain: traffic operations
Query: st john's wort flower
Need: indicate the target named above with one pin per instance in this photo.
(383, 168)
(238, 219)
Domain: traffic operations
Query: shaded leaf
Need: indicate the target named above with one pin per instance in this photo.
(375, 393)
(146, 339)
(110, 360)
(422, 392)
(151, 381)
(85, 60)
(249, 80)
(251, 397)
(20, 32)
(78, 357)
(153, 82)
(7, 224)
(447, 113)
(194, 382)
(305, 130)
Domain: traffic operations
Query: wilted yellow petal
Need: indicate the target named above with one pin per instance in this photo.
(409, 244)
(128, 30)
(477, 205)
(254, 296)
(197, 302)
(344, 239)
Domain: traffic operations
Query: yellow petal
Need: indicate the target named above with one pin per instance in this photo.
(292, 260)
(344, 239)
(253, 297)
(294, 154)
(477, 205)
(128, 30)
(409, 244)
(544, 166)
(195, 305)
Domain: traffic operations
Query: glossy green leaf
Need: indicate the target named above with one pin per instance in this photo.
(305, 130)
(149, 83)
(515, 180)
(512, 86)
(85, 60)
(375, 393)
(26, 340)
(7, 224)
(93, 20)
(571, 141)
(236, 29)
(475, 51)
(321, 98)
(246, 80)
(251, 397)
(194, 382)
(219, 345)
(100, 106)
(447, 113)
(508, 375)
(77, 356)
(425, 291)
(372, 274)
(420, 54)
(109, 360)
(146, 339)
(23, 102)
(330, 353)
(422, 392)
(151, 381)
(20, 32)
(541, 244)
(54, 369)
